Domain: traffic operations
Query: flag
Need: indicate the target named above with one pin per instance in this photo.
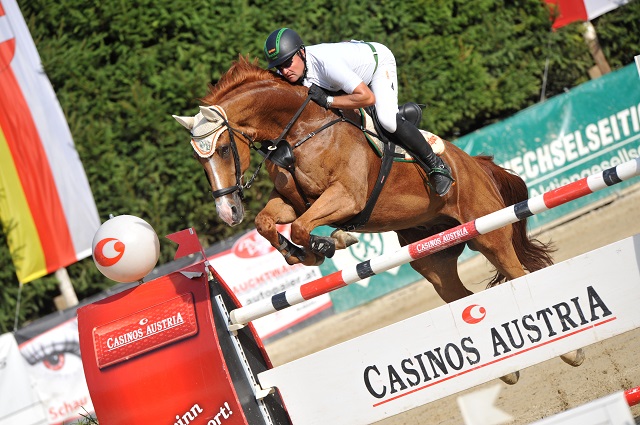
(564, 12)
(46, 206)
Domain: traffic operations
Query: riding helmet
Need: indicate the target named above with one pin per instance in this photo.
(281, 45)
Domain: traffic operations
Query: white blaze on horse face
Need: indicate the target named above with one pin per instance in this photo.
(223, 207)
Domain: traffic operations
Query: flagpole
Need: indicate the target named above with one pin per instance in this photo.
(66, 288)
(591, 38)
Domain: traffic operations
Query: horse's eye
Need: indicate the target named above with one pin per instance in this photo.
(224, 151)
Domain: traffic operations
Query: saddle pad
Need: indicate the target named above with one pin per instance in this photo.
(437, 144)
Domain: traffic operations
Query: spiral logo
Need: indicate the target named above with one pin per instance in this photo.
(111, 244)
(474, 314)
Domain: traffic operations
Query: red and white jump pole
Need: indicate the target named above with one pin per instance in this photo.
(632, 396)
(436, 243)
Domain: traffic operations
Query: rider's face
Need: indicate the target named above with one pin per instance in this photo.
(293, 69)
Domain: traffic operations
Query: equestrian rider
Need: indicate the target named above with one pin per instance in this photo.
(366, 73)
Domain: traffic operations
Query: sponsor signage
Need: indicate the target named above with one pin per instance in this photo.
(145, 330)
(466, 343)
(152, 355)
(593, 127)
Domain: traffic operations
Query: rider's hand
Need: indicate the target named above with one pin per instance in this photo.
(319, 96)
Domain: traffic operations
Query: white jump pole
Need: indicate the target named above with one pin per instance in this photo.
(436, 243)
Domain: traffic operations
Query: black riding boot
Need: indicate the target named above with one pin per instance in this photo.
(409, 137)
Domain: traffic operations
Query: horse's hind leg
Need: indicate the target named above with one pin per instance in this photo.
(441, 268)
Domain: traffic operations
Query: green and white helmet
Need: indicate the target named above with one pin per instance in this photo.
(281, 45)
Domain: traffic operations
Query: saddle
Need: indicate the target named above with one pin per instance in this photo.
(377, 136)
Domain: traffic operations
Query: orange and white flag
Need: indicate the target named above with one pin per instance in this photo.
(564, 12)
(47, 209)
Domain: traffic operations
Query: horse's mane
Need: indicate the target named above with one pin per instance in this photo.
(241, 72)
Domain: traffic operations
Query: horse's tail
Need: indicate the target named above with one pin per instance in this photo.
(533, 254)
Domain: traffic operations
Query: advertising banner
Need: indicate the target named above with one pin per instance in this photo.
(19, 403)
(55, 367)
(466, 343)
(593, 127)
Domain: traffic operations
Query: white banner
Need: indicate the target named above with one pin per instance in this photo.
(466, 343)
(54, 364)
(19, 403)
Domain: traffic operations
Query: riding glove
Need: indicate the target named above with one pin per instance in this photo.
(319, 96)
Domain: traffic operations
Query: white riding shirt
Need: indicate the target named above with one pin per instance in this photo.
(343, 66)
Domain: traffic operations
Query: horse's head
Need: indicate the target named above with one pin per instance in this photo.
(259, 105)
(220, 159)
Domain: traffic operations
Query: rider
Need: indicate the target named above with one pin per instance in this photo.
(366, 73)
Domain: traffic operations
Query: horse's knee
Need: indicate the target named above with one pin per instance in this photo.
(263, 223)
(299, 235)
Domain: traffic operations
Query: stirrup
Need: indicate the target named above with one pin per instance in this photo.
(442, 172)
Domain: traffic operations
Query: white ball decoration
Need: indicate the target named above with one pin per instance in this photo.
(125, 248)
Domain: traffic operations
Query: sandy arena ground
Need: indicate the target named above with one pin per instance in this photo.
(544, 389)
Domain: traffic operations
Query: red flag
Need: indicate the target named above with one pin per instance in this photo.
(564, 12)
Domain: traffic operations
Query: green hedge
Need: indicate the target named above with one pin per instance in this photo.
(120, 69)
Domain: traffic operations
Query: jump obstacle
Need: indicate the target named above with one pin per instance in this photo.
(439, 242)
(169, 352)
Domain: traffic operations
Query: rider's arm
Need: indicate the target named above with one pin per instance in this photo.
(361, 97)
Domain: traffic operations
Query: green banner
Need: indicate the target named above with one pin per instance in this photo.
(591, 128)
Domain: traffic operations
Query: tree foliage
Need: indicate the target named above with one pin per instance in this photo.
(121, 69)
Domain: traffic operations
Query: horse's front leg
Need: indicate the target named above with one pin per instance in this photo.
(335, 205)
(279, 211)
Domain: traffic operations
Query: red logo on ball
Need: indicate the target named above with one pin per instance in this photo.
(101, 258)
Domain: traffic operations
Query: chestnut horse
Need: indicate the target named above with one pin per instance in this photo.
(336, 170)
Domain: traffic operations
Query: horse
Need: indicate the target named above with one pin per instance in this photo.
(324, 171)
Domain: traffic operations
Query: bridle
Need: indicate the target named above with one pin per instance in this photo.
(239, 187)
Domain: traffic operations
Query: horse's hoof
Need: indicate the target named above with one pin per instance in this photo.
(574, 358)
(511, 378)
(345, 238)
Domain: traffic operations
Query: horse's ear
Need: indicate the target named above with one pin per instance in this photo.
(187, 122)
(209, 114)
